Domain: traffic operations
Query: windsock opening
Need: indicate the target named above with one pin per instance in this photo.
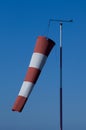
(41, 51)
(44, 45)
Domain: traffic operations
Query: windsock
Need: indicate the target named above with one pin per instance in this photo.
(41, 51)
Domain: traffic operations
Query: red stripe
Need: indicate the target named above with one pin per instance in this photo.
(44, 45)
(32, 75)
(19, 103)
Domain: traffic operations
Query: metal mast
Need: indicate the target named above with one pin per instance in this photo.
(61, 91)
(61, 109)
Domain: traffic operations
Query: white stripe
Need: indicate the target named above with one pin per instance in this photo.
(26, 89)
(38, 60)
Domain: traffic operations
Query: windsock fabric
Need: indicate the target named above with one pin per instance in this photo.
(41, 51)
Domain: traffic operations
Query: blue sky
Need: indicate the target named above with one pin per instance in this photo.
(20, 24)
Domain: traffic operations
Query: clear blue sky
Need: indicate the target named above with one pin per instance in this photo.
(21, 21)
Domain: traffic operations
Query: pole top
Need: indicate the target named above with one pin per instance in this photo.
(61, 23)
(61, 20)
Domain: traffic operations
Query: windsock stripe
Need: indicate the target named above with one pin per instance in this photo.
(19, 103)
(26, 89)
(32, 75)
(38, 60)
(44, 45)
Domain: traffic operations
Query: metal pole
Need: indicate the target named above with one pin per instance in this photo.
(61, 93)
(61, 109)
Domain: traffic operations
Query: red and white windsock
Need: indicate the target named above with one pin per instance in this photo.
(41, 51)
